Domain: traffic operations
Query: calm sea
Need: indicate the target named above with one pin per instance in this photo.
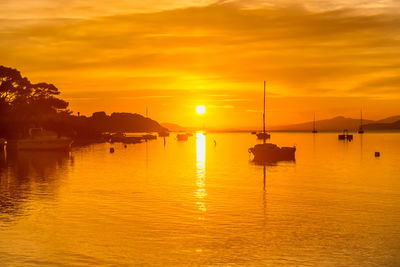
(197, 203)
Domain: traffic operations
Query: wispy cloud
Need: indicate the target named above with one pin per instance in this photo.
(310, 49)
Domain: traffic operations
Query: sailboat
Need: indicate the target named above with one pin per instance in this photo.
(314, 130)
(361, 130)
(268, 152)
(264, 135)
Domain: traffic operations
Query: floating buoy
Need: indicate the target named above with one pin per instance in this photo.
(125, 146)
(111, 150)
(377, 154)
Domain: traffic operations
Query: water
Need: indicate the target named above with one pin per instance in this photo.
(193, 203)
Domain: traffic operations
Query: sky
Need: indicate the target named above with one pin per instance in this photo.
(328, 57)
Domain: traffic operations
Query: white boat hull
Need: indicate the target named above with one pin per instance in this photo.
(37, 144)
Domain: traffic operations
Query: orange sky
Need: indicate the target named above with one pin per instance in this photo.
(331, 57)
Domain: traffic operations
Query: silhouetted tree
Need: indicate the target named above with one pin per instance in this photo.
(23, 104)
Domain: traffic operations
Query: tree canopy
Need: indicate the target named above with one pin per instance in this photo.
(24, 104)
(17, 92)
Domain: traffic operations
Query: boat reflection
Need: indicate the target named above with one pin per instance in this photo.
(269, 163)
(200, 192)
(27, 176)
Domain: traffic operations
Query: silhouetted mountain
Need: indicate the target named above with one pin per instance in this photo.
(389, 120)
(383, 126)
(340, 123)
(335, 124)
(123, 122)
(173, 127)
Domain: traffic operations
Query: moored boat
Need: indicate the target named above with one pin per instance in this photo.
(314, 129)
(132, 140)
(268, 152)
(149, 137)
(361, 130)
(345, 136)
(263, 136)
(39, 139)
(163, 134)
(123, 138)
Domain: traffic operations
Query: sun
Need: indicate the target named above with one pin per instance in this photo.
(201, 109)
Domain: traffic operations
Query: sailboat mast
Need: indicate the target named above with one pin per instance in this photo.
(360, 118)
(314, 123)
(264, 113)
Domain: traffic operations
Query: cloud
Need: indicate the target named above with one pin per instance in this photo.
(291, 49)
(315, 48)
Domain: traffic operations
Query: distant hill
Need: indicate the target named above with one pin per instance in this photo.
(340, 123)
(389, 120)
(123, 122)
(383, 126)
(335, 124)
(172, 127)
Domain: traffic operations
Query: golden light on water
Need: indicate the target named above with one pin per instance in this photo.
(200, 171)
(200, 109)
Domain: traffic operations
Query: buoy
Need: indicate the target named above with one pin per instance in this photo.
(377, 154)
(111, 150)
(125, 146)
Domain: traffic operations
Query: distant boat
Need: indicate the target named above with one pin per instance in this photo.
(149, 137)
(253, 132)
(122, 138)
(268, 152)
(262, 136)
(39, 139)
(361, 130)
(345, 136)
(314, 129)
(182, 137)
(163, 134)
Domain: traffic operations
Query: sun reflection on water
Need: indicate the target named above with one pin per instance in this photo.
(200, 193)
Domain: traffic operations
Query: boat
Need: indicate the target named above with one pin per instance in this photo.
(149, 137)
(132, 140)
(117, 137)
(163, 134)
(361, 130)
(123, 138)
(268, 152)
(314, 129)
(262, 136)
(38, 139)
(182, 137)
(253, 132)
(345, 136)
